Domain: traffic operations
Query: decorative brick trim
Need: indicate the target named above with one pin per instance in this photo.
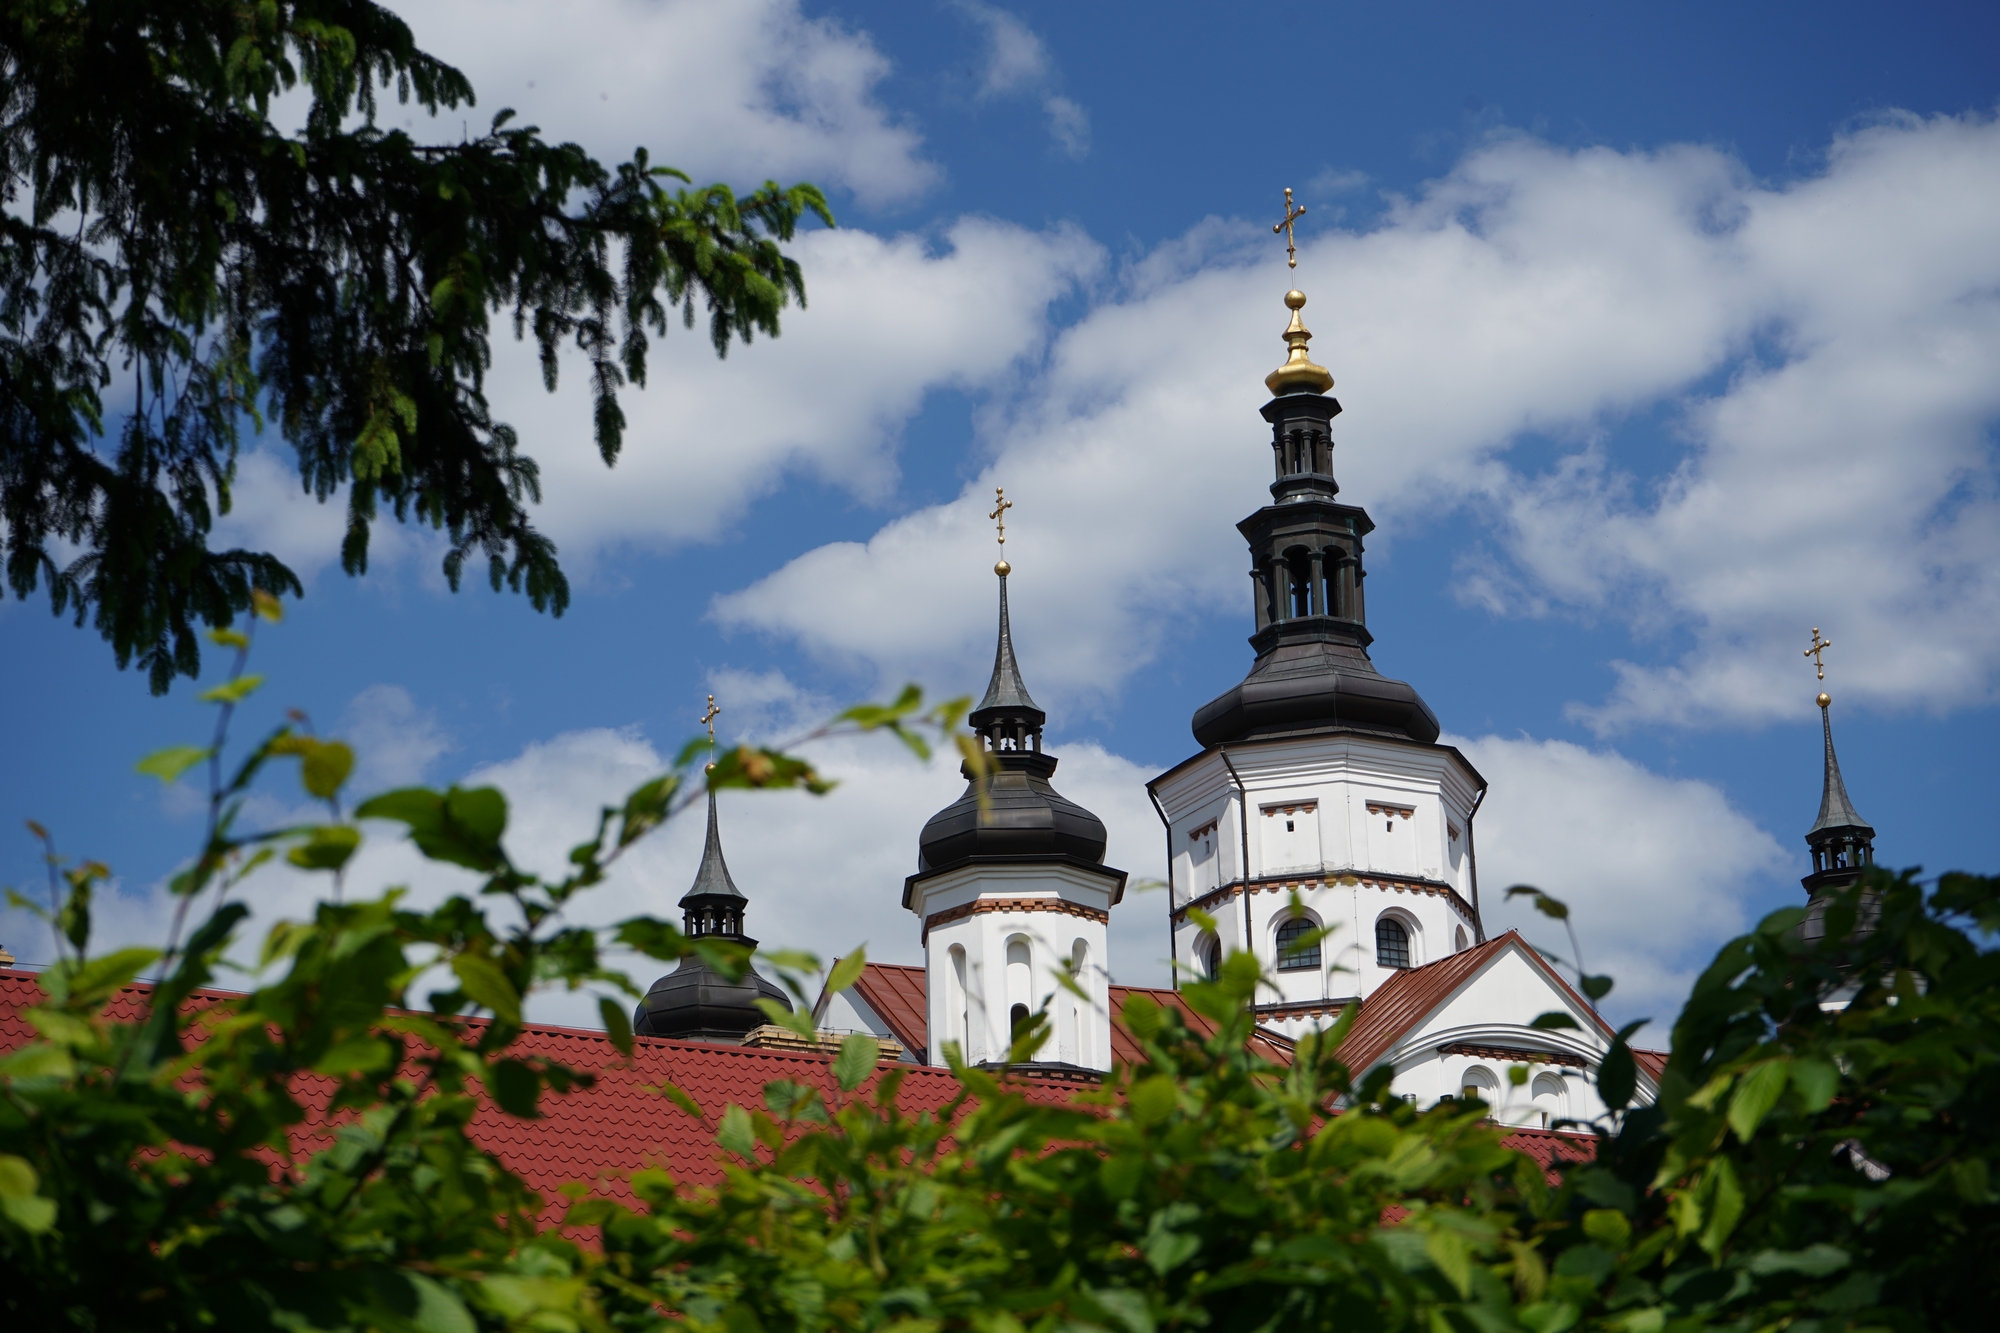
(1515, 1054)
(771, 1037)
(1296, 807)
(1195, 834)
(983, 905)
(1306, 883)
(1391, 808)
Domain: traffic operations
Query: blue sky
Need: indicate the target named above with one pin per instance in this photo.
(1663, 337)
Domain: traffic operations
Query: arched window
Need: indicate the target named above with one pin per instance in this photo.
(1478, 1083)
(1298, 945)
(1460, 941)
(1392, 943)
(1330, 561)
(1551, 1099)
(1208, 954)
(959, 1003)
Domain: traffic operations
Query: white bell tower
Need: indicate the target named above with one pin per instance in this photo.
(1012, 890)
(1318, 776)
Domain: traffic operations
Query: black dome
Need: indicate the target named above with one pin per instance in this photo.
(1300, 688)
(1025, 816)
(697, 1002)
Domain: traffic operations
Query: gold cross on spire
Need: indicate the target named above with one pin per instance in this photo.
(1291, 215)
(999, 516)
(1819, 646)
(708, 720)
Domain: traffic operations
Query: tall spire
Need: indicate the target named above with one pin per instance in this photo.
(1006, 690)
(1836, 811)
(713, 889)
(1006, 717)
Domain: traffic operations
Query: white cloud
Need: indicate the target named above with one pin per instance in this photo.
(395, 742)
(1656, 870)
(1842, 473)
(1018, 63)
(891, 319)
(739, 91)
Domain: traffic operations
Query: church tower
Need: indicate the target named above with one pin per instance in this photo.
(1012, 888)
(694, 1001)
(1842, 843)
(1318, 776)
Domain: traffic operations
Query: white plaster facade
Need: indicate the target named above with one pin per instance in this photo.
(1472, 1036)
(1360, 828)
(996, 936)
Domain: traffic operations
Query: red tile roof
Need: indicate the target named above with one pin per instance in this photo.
(600, 1135)
(1403, 1001)
(1651, 1063)
(896, 992)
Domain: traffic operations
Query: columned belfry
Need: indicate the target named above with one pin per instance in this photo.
(1012, 889)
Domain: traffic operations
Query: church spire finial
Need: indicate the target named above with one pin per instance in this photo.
(1298, 374)
(1007, 716)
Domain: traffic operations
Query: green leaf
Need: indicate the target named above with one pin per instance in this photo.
(1757, 1091)
(327, 847)
(1618, 1077)
(233, 691)
(516, 1087)
(480, 811)
(1722, 1195)
(325, 767)
(792, 1020)
(38, 1060)
(678, 1096)
(859, 1055)
(1608, 1227)
(1816, 1081)
(229, 638)
(617, 1024)
(846, 971)
(418, 807)
(438, 1310)
(1447, 1249)
(17, 1177)
(1816, 1260)
(1595, 987)
(1154, 1099)
(488, 985)
(1554, 1021)
(167, 765)
(737, 1134)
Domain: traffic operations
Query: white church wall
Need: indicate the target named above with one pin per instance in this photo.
(998, 937)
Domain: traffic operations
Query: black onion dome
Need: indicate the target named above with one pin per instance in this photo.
(695, 1001)
(698, 1003)
(1308, 688)
(1024, 815)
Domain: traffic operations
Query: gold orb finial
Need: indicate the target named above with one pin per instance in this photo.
(1824, 699)
(1002, 568)
(1298, 374)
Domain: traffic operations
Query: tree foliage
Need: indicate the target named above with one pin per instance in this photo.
(174, 264)
(1822, 1155)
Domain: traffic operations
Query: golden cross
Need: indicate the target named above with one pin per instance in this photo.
(1291, 215)
(708, 720)
(1819, 646)
(999, 514)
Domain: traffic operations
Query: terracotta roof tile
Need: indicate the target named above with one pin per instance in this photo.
(1651, 1063)
(600, 1135)
(1401, 1002)
(896, 992)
